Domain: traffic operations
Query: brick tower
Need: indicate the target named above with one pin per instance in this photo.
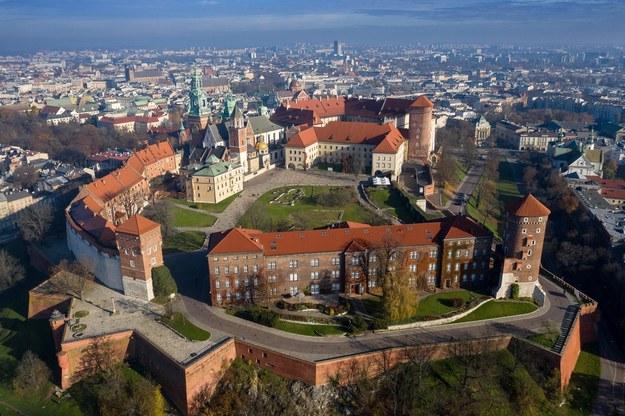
(139, 243)
(237, 134)
(420, 140)
(524, 235)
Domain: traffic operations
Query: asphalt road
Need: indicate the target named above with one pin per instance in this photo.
(473, 176)
(190, 271)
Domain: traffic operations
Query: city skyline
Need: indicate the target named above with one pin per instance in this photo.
(71, 24)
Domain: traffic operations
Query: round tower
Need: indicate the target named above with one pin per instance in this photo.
(524, 235)
(420, 141)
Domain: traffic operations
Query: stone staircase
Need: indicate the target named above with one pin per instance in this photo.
(570, 318)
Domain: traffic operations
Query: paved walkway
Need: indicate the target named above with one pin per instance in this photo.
(275, 178)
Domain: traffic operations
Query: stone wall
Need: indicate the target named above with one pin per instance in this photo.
(104, 265)
(41, 305)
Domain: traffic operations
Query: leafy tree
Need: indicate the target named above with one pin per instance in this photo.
(399, 301)
(31, 373)
(35, 221)
(163, 282)
(25, 176)
(11, 271)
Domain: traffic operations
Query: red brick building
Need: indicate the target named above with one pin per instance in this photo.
(247, 264)
(524, 236)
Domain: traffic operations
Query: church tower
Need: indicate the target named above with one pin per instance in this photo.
(238, 137)
(199, 110)
(420, 129)
(140, 248)
(524, 236)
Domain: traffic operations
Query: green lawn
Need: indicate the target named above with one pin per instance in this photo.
(186, 328)
(499, 309)
(309, 330)
(373, 305)
(439, 304)
(305, 211)
(187, 218)
(389, 199)
(584, 381)
(38, 403)
(218, 207)
(184, 241)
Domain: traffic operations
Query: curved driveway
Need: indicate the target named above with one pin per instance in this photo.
(190, 271)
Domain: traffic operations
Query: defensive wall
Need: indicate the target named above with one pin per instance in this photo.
(104, 263)
(189, 383)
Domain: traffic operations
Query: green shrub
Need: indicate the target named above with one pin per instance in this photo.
(163, 282)
(458, 302)
(359, 323)
(379, 323)
(281, 304)
(264, 317)
(514, 291)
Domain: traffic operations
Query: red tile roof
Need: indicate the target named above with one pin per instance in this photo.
(422, 102)
(528, 206)
(385, 137)
(137, 225)
(335, 240)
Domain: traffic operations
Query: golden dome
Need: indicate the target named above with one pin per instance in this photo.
(261, 146)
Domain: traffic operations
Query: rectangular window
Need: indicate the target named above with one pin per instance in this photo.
(271, 265)
(227, 284)
(413, 255)
(314, 289)
(373, 258)
(292, 264)
(465, 266)
(448, 267)
(236, 269)
(294, 290)
(217, 284)
(154, 248)
(336, 274)
(355, 274)
(292, 277)
(449, 254)
(355, 261)
(371, 283)
(255, 268)
(226, 269)
(336, 261)
(458, 253)
(246, 268)
(272, 279)
(336, 287)
(237, 283)
(273, 291)
(473, 277)
(457, 268)
(132, 263)
(153, 261)
(314, 262)
(431, 280)
(413, 268)
(314, 275)
(216, 271)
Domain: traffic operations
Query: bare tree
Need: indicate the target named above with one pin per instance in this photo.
(31, 373)
(25, 176)
(98, 356)
(73, 278)
(160, 212)
(11, 271)
(35, 221)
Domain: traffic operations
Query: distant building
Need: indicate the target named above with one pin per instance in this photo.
(338, 48)
(481, 127)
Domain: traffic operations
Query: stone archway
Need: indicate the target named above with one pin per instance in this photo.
(291, 166)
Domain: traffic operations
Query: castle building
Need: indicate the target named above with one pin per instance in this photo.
(420, 130)
(105, 232)
(524, 235)
(373, 148)
(199, 110)
(413, 118)
(246, 264)
(214, 183)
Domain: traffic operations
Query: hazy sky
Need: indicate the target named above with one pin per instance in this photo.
(62, 24)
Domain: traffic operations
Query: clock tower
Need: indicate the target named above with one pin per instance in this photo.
(198, 103)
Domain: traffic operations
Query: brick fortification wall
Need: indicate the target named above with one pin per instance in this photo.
(585, 329)
(40, 306)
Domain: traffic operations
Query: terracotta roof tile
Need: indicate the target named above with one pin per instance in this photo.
(137, 225)
(528, 206)
(422, 102)
(239, 240)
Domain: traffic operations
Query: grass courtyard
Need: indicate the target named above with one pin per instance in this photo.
(216, 208)
(499, 309)
(189, 218)
(390, 200)
(298, 207)
(180, 324)
(184, 241)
